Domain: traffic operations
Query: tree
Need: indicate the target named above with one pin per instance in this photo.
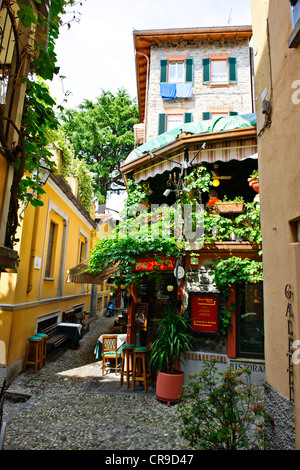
(102, 134)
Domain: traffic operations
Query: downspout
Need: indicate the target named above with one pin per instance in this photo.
(146, 97)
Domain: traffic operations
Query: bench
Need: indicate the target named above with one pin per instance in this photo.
(55, 338)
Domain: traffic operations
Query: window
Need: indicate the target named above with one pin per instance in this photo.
(174, 120)
(250, 320)
(214, 115)
(176, 72)
(51, 250)
(166, 122)
(176, 79)
(219, 71)
(294, 39)
(295, 12)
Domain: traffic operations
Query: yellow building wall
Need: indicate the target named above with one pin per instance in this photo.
(29, 295)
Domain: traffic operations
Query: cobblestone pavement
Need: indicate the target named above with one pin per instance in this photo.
(69, 405)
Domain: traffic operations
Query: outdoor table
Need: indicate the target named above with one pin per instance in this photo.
(73, 330)
(121, 339)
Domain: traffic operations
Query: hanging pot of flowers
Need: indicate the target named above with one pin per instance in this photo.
(253, 181)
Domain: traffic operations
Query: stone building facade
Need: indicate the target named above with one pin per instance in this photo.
(219, 82)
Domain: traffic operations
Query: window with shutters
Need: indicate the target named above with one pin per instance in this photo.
(176, 78)
(166, 122)
(219, 71)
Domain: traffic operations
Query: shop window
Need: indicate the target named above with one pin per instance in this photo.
(219, 71)
(250, 321)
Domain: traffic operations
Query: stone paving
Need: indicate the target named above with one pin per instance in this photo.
(69, 405)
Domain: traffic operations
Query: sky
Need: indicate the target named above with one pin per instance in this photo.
(96, 53)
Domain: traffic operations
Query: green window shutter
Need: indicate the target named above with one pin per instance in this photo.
(163, 71)
(189, 70)
(206, 70)
(162, 123)
(232, 69)
(233, 113)
(206, 115)
(188, 117)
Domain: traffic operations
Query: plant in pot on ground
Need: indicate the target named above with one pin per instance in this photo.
(173, 338)
(222, 411)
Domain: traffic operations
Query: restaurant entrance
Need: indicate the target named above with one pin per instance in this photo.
(153, 296)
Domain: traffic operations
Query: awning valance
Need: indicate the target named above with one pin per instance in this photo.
(80, 274)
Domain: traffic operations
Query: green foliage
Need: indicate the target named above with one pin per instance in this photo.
(173, 338)
(222, 411)
(198, 181)
(247, 225)
(236, 270)
(38, 112)
(123, 252)
(136, 194)
(230, 271)
(102, 134)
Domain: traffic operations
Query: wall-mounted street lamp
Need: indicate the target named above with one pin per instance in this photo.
(42, 173)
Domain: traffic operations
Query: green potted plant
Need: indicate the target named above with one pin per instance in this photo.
(174, 337)
(254, 181)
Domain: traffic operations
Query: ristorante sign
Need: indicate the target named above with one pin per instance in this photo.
(151, 264)
(204, 310)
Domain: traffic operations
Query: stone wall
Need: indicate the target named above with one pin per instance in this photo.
(232, 97)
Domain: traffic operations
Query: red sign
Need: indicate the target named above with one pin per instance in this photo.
(204, 311)
(150, 264)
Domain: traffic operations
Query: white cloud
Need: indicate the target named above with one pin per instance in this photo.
(97, 53)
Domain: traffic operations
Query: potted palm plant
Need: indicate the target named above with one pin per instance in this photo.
(174, 337)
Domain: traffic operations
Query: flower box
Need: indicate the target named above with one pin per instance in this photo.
(230, 207)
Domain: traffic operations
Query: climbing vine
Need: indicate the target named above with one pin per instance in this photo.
(38, 112)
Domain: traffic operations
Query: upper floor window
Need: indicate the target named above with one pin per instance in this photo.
(219, 71)
(176, 72)
(176, 78)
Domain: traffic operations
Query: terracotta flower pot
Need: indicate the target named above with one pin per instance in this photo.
(254, 184)
(169, 386)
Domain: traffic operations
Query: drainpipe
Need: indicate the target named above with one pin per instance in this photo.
(146, 97)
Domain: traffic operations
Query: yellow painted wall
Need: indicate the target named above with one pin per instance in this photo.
(27, 295)
(277, 67)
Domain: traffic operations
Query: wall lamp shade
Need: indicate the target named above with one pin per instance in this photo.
(167, 192)
(43, 172)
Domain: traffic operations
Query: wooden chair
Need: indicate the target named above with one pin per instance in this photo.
(110, 350)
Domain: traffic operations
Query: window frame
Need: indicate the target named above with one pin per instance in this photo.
(176, 63)
(232, 74)
(214, 61)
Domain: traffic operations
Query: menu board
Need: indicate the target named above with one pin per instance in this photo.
(204, 309)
